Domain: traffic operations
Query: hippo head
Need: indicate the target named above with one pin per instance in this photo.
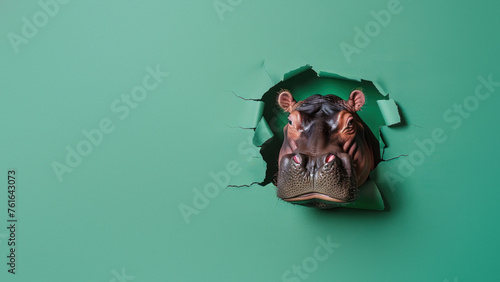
(327, 151)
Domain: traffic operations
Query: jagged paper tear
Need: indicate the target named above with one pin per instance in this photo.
(389, 111)
(262, 133)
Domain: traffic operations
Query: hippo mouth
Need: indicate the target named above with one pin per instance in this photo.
(313, 196)
(316, 200)
(322, 182)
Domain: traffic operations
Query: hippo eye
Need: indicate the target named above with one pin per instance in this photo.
(350, 122)
(290, 122)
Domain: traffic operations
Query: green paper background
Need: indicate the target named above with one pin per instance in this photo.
(118, 211)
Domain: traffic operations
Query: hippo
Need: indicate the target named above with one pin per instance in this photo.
(327, 151)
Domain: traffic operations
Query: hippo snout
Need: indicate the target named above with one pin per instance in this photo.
(314, 181)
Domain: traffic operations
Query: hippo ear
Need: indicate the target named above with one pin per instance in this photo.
(356, 100)
(286, 100)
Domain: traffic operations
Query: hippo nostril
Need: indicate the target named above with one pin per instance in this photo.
(297, 159)
(329, 158)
